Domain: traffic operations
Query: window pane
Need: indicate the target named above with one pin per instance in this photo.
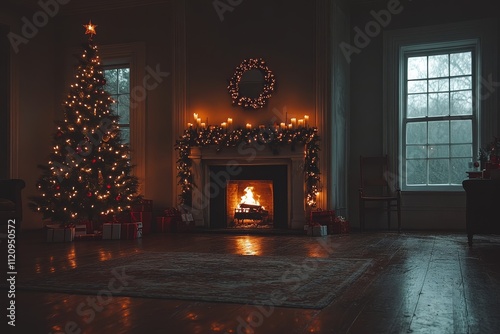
(461, 131)
(438, 66)
(461, 103)
(417, 105)
(419, 86)
(111, 81)
(461, 63)
(125, 134)
(416, 172)
(438, 171)
(439, 85)
(458, 170)
(123, 80)
(439, 151)
(416, 152)
(461, 151)
(417, 68)
(439, 132)
(461, 83)
(416, 133)
(439, 104)
(124, 109)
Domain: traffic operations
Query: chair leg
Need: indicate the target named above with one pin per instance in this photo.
(389, 215)
(361, 216)
(399, 216)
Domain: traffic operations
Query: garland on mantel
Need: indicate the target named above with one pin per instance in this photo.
(273, 137)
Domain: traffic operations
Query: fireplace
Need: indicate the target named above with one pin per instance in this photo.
(256, 197)
(250, 203)
(276, 181)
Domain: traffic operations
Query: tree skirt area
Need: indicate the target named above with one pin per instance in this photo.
(300, 282)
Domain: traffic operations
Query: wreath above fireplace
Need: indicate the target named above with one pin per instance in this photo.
(271, 136)
(253, 72)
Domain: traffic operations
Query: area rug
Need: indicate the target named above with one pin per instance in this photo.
(299, 282)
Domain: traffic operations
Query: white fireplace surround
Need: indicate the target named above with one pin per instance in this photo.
(248, 155)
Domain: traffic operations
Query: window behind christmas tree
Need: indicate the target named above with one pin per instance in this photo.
(118, 86)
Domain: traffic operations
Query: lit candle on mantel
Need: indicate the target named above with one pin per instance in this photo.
(190, 125)
(229, 123)
(248, 126)
(203, 125)
(301, 123)
(306, 120)
(290, 126)
(195, 116)
(223, 125)
(294, 122)
(283, 126)
(198, 122)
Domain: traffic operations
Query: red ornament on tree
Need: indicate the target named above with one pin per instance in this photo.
(118, 198)
(108, 186)
(94, 161)
(89, 194)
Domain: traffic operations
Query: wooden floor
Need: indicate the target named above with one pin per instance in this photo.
(419, 283)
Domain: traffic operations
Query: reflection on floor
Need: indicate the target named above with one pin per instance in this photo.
(420, 283)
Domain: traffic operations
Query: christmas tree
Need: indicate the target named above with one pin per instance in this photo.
(89, 170)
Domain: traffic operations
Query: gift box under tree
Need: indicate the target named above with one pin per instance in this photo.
(60, 233)
(145, 217)
(131, 231)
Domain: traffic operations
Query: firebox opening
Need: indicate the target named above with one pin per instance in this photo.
(250, 203)
(270, 188)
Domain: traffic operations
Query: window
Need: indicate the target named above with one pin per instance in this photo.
(438, 131)
(124, 69)
(452, 120)
(118, 86)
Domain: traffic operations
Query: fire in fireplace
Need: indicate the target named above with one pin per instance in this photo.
(250, 203)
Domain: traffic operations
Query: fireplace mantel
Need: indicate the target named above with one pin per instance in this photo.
(247, 155)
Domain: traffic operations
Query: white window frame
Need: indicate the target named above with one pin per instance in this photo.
(134, 55)
(426, 49)
(483, 34)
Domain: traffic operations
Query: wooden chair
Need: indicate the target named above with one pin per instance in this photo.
(376, 186)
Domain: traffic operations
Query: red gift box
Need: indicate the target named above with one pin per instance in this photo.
(339, 226)
(145, 205)
(166, 224)
(323, 217)
(131, 231)
(145, 217)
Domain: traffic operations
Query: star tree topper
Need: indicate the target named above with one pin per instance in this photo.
(90, 29)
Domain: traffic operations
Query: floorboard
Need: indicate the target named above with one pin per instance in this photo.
(420, 282)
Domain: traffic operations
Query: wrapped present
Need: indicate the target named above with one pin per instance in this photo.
(316, 230)
(172, 212)
(340, 226)
(323, 217)
(166, 224)
(319, 230)
(60, 234)
(145, 217)
(131, 230)
(111, 231)
(145, 205)
(187, 217)
(80, 229)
